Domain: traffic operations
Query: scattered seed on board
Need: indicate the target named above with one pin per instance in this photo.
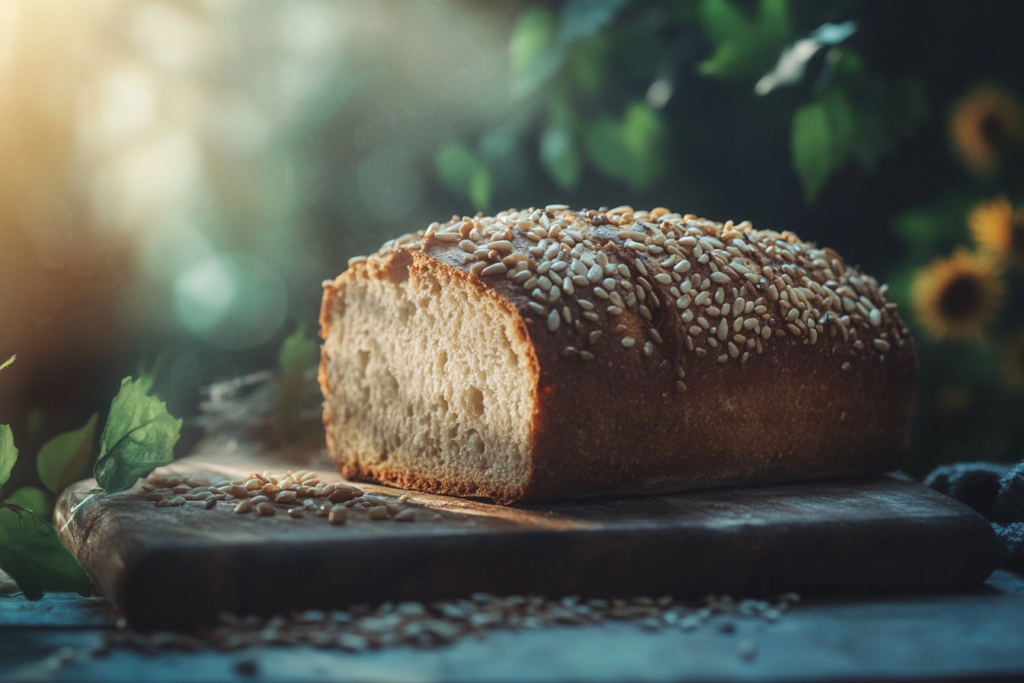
(380, 512)
(337, 514)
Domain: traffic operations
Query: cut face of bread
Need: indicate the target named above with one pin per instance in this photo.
(433, 381)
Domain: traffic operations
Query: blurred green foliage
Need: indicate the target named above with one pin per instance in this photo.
(298, 355)
(745, 46)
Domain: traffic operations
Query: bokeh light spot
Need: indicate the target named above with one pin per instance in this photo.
(231, 301)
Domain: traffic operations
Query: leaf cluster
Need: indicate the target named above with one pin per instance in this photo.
(139, 436)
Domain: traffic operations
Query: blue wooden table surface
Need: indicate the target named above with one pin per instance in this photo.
(978, 635)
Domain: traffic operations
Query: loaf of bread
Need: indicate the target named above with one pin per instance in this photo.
(552, 353)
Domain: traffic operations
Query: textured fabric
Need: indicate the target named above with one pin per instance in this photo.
(995, 491)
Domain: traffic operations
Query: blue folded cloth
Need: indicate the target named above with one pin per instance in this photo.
(995, 491)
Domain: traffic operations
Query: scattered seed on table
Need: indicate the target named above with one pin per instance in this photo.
(285, 497)
(210, 503)
(243, 507)
(296, 513)
(266, 509)
(238, 491)
(337, 515)
(379, 512)
(342, 495)
(406, 515)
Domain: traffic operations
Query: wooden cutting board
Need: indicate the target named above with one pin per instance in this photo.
(182, 566)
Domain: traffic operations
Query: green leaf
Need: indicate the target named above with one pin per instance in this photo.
(632, 149)
(463, 173)
(532, 38)
(888, 112)
(31, 498)
(822, 136)
(588, 63)
(32, 554)
(65, 458)
(583, 18)
(298, 354)
(480, 189)
(7, 362)
(8, 453)
(139, 437)
(744, 46)
(456, 165)
(558, 152)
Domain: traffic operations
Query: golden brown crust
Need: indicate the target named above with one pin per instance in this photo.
(640, 388)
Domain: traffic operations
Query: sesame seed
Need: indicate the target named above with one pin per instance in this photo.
(600, 293)
(733, 351)
(876, 317)
(537, 308)
(628, 341)
(554, 321)
(590, 315)
(556, 207)
(586, 355)
(881, 345)
(723, 358)
(585, 305)
(750, 323)
(645, 312)
(493, 269)
(663, 278)
(640, 267)
(680, 387)
(594, 336)
(608, 283)
(723, 330)
(654, 334)
(846, 366)
(569, 352)
(794, 329)
(595, 273)
(614, 310)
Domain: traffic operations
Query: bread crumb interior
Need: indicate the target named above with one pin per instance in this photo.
(429, 378)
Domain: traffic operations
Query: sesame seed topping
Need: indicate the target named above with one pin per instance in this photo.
(748, 288)
(628, 341)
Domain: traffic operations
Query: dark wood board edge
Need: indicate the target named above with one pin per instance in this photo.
(812, 562)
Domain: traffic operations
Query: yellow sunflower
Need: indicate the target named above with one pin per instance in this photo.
(983, 125)
(955, 298)
(998, 229)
